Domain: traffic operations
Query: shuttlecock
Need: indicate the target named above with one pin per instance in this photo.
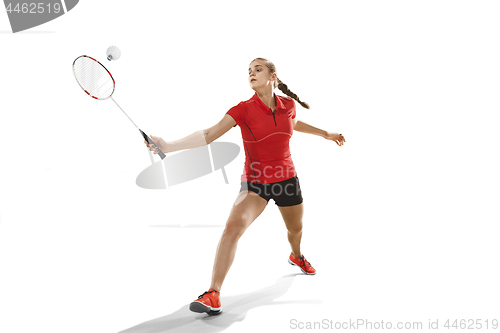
(113, 53)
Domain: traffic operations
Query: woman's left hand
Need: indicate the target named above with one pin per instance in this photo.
(338, 138)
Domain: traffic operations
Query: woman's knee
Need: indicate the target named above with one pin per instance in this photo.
(295, 228)
(235, 227)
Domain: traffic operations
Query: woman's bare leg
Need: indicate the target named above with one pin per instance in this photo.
(247, 207)
(293, 220)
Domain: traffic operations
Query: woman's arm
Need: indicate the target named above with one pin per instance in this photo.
(197, 139)
(216, 131)
(303, 127)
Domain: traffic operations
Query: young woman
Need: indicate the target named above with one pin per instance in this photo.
(267, 122)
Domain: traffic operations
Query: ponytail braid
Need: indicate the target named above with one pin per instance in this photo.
(284, 88)
(281, 86)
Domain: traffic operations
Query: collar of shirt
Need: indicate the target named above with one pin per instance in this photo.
(264, 108)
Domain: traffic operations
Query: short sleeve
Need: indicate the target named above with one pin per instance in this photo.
(238, 113)
(293, 110)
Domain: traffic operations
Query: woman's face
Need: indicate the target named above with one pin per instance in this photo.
(259, 75)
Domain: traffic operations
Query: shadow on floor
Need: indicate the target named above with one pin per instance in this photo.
(235, 309)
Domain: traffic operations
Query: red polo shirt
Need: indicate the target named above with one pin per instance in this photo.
(266, 136)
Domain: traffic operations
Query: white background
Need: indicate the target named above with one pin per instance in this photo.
(401, 222)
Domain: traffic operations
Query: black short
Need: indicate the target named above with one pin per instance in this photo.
(284, 193)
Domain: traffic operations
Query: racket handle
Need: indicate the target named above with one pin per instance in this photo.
(162, 155)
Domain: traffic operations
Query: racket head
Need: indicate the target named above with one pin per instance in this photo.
(93, 77)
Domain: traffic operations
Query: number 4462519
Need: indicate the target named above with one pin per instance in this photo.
(471, 324)
(34, 8)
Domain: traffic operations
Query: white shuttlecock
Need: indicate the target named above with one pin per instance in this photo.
(113, 53)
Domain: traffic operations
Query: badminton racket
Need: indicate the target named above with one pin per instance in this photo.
(99, 84)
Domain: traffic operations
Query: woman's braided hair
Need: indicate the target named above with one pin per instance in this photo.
(280, 85)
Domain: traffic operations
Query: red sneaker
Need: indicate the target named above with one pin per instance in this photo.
(304, 265)
(208, 302)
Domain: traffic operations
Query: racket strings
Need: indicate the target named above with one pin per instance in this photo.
(93, 78)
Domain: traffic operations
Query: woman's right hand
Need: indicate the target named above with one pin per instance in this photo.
(157, 143)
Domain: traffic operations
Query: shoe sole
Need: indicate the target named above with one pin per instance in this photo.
(303, 271)
(200, 308)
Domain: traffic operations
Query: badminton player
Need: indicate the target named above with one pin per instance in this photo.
(267, 122)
